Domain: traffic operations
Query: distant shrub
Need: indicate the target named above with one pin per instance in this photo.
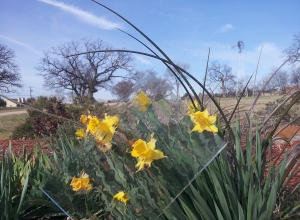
(43, 123)
(24, 131)
(40, 123)
(2, 103)
(289, 116)
(80, 107)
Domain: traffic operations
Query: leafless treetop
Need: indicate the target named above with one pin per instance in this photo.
(9, 71)
(293, 52)
(83, 74)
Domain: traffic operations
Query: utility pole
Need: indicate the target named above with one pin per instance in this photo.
(30, 92)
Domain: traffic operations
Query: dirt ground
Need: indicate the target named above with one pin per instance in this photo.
(17, 147)
(12, 113)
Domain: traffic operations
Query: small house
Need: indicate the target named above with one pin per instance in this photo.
(14, 102)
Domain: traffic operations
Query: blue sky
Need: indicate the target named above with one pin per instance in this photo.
(183, 29)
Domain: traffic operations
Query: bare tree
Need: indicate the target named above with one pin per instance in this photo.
(123, 89)
(271, 87)
(235, 87)
(9, 70)
(173, 80)
(295, 77)
(153, 85)
(293, 52)
(254, 89)
(222, 74)
(83, 74)
(158, 88)
(59, 94)
(280, 80)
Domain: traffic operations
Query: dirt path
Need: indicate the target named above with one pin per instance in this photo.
(12, 113)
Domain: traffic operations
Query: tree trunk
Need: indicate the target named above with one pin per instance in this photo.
(223, 89)
(91, 96)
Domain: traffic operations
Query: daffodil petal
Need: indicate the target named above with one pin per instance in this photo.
(80, 133)
(122, 196)
(139, 147)
(157, 154)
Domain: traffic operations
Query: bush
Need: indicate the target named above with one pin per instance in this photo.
(2, 103)
(80, 107)
(278, 108)
(42, 122)
(24, 131)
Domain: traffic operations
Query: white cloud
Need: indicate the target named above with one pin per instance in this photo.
(142, 60)
(20, 43)
(226, 28)
(100, 22)
(268, 48)
(271, 54)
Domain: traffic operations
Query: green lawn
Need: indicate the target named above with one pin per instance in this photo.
(9, 122)
(12, 109)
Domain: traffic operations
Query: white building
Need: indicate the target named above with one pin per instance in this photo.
(14, 102)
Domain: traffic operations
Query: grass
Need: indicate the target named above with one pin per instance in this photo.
(228, 104)
(12, 109)
(9, 122)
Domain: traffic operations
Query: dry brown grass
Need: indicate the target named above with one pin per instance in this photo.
(228, 104)
(9, 122)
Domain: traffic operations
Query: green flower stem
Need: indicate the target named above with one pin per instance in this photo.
(279, 120)
(157, 47)
(184, 71)
(206, 69)
(262, 89)
(177, 77)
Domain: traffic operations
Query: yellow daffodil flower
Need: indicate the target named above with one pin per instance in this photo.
(122, 196)
(142, 100)
(146, 152)
(103, 130)
(192, 108)
(84, 119)
(203, 121)
(92, 124)
(81, 183)
(80, 133)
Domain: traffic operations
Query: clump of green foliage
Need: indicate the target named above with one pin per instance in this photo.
(24, 131)
(150, 190)
(276, 108)
(80, 106)
(44, 117)
(52, 113)
(45, 114)
(20, 179)
(243, 185)
(46, 124)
